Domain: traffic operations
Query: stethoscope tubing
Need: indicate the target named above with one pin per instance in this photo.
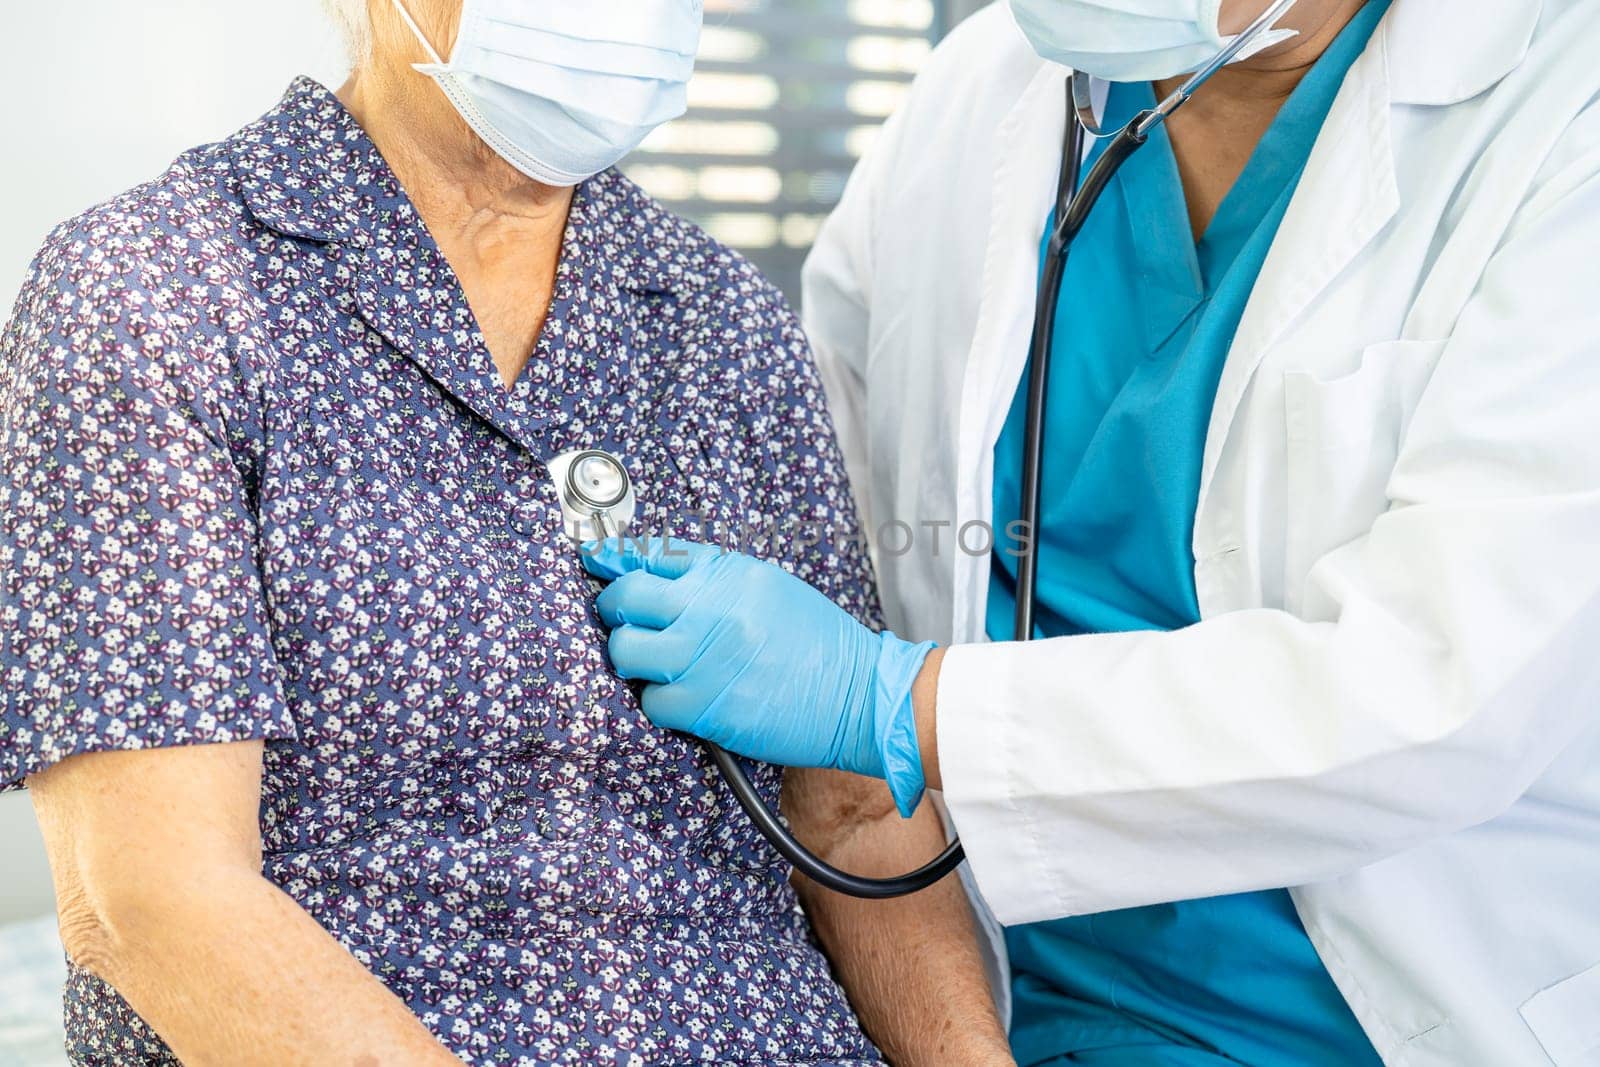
(1074, 202)
(1040, 350)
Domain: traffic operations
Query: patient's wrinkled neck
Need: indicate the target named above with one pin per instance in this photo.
(500, 231)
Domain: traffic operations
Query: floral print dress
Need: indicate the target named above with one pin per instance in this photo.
(259, 479)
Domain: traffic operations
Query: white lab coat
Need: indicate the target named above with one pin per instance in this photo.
(1393, 699)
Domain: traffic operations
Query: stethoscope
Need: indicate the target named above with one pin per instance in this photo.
(597, 498)
(597, 502)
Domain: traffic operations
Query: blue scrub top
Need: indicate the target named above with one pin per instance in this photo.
(1145, 320)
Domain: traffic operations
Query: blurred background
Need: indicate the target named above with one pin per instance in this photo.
(102, 94)
(786, 96)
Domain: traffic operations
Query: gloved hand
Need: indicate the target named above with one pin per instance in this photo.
(742, 653)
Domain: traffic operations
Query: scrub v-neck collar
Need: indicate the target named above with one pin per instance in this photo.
(1188, 272)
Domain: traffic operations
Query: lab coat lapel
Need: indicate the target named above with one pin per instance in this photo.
(1027, 165)
(1346, 196)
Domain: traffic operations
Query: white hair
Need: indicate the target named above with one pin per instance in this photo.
(356, 25)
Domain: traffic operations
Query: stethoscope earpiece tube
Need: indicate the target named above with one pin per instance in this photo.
(1070, 213)
(1074, 202)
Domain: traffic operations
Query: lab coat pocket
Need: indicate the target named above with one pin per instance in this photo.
(1566, 1019)
(1343, 438)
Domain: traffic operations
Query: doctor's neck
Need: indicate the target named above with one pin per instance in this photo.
(1272, 75)
(1216, 132)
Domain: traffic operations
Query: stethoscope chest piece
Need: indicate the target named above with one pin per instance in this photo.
(596, 494)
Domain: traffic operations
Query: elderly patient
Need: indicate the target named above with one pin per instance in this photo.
(296, 659)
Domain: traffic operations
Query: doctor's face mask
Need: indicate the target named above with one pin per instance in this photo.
(1131, 40)
(563, 89)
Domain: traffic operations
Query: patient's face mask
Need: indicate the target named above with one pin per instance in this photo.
(1131, 40)
(563, 89)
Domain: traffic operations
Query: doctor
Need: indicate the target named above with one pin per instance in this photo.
(1319, 593)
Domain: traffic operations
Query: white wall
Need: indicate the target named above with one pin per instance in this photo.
(97, 96)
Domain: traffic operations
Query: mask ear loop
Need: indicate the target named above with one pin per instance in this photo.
(416, 31)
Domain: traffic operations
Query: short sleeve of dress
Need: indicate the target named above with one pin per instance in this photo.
(131, 608)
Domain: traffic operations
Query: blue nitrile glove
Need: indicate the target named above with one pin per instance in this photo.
(742, 653)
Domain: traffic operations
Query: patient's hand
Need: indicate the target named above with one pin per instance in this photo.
(730, 647)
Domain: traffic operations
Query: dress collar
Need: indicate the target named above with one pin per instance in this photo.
(308, 170)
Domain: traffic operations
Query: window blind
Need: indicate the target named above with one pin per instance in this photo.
(786, 96)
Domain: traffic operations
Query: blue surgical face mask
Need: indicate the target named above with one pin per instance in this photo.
(563, 89)
(1131, 40)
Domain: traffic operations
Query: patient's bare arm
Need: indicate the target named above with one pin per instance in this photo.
(911, 966)
(156, 856)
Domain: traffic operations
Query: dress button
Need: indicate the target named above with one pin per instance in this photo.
(523, 524)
